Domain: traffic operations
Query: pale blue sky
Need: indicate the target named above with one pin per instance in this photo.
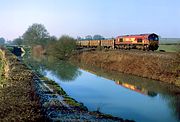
(109, 18)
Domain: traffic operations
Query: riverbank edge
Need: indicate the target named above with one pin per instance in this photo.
(4, 67)
(17, 94)
(53, 101)
(163, 67)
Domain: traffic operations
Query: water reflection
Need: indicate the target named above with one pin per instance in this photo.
(63, 70)
(137, 89)
(169, 93)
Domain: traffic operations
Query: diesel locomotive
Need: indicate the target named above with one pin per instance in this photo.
(140, 41)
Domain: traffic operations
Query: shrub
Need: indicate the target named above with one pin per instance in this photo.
(62, 48)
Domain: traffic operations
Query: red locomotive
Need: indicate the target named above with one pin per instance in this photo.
(141, 41)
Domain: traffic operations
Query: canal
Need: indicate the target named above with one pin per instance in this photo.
(120, 95)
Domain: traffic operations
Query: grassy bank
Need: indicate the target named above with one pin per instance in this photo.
(4, 68)
(17, 95)
(158, 66)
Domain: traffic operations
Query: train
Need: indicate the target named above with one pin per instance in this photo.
(138, 41)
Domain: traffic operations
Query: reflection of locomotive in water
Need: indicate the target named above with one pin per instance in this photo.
(142, 41)
(137, 89)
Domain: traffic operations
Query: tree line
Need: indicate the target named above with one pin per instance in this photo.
(37, 35)
(2, 41)
(62, 48)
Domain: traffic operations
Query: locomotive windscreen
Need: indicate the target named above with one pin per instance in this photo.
(153, 37)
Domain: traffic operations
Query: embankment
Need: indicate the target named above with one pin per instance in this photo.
(155, 65)
(4, 67)
(18, 101)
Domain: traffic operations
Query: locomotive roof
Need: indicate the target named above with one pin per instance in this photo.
(134, 35)
(95, 39)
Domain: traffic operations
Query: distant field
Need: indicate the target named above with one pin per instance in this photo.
(170, 47)
(169, 40)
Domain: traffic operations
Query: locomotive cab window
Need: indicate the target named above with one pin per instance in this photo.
(139, 40)
(156, 38)
(121, 39)
(153, 37)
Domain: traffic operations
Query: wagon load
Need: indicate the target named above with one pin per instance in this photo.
(78, 43)
(84, 43)
(107, 43)
(95, 43)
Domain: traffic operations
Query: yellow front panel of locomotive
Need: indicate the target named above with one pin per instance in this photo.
(132, 40)
(129, 39)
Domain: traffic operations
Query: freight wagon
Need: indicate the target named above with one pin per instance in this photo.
(108, 43)
(83, 43)
(94, 43)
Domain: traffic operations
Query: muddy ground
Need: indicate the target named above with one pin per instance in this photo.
(160, 66)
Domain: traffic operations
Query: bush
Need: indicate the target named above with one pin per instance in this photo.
(63, 48)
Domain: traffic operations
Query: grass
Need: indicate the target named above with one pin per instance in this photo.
(153, 65)
(70, 101)
(170, 47)
(57, 89)
(17, 98)
(3, 66)
(53, 85)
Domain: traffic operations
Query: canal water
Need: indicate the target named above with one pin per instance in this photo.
(121, 95)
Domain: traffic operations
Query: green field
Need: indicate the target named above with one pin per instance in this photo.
(170, 47)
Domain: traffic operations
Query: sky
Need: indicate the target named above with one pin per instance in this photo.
(109, 18)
